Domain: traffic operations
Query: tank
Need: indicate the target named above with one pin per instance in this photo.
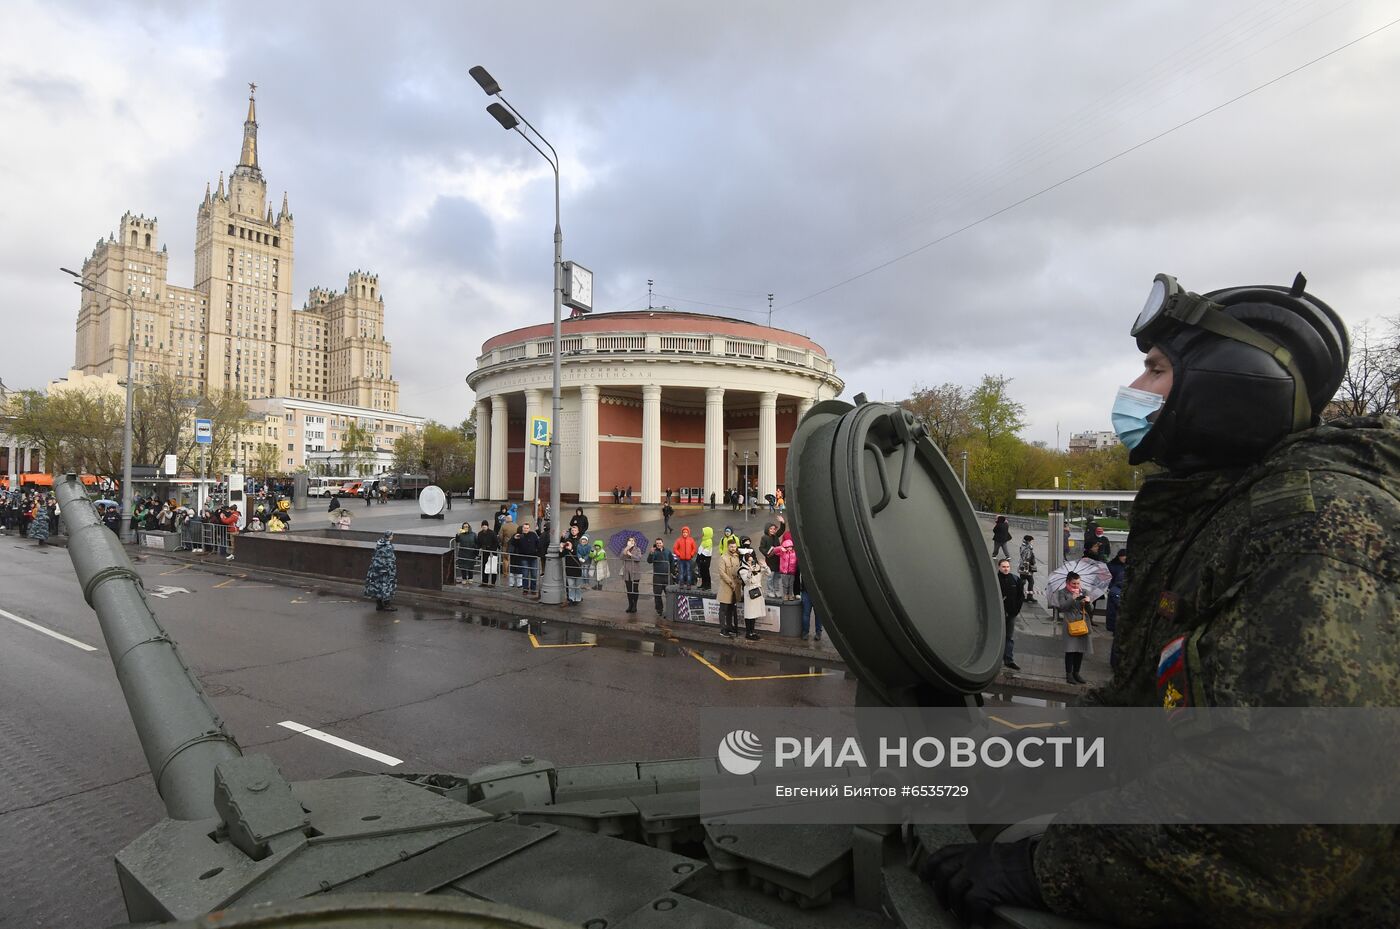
(532, 844)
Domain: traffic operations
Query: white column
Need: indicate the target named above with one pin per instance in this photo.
(27, 462)
(483, 449)
(803, 405)
(588, 444)
(767, 444)
(500, 442)
(714, 443)
(534, 406)
(651, 443)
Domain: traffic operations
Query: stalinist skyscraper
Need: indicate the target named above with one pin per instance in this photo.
(235, 329)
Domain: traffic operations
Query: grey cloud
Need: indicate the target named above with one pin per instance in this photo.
(740, 149)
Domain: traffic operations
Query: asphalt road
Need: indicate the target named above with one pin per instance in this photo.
(436, 691)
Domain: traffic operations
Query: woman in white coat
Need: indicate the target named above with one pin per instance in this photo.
(753, 578)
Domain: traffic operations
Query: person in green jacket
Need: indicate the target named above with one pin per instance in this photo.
(1268, 554)
(598, 558)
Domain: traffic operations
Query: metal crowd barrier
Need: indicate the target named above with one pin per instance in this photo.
(213, 538)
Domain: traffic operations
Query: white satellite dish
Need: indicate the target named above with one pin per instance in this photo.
(432, 501)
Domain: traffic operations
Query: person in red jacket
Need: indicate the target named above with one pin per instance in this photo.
(684, 551)
(229, 518)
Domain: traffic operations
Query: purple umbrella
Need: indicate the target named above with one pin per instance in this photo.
(618, 540)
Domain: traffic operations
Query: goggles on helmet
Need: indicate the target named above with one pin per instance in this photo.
(1169, 308)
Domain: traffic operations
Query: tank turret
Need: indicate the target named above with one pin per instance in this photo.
(528, 843)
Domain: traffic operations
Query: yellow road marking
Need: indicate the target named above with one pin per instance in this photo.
(758, 677)
(535, 643)
(183, 567)
(1010, 725)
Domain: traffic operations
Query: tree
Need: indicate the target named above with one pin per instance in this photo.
(356, 448)
(161, 411)
(446, 452)
(75, 429)
(266, 462)
(945, 411)
(994, 415)
(1371, 383)
(408, 453)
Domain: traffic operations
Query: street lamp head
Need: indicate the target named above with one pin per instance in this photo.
(503, 116)
(70, 272)
(484, 78)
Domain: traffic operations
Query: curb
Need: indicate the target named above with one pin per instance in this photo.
(1006, 682)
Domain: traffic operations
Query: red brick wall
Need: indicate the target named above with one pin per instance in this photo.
(676, 427)
(619, 420)
(619, 463)
(682, 467)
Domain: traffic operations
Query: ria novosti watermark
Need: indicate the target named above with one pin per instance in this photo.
(1093, 765)
(741, 752)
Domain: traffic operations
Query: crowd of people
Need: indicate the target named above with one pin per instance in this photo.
(736, 569)
(31, 512)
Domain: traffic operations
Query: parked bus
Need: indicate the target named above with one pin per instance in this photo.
(323, 486)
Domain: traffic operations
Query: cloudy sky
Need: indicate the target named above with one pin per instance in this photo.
(726, 150)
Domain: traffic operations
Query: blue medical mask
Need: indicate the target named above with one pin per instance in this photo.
(1131, 407)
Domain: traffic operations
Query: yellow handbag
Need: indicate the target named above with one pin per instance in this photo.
(1077, 627)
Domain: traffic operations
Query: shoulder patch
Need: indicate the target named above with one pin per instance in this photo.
(1281, 497)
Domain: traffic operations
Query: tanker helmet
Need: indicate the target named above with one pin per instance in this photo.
(1250, 365)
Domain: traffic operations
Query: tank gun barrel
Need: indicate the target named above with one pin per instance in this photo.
(182, 736)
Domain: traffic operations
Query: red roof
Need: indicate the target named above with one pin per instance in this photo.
(667, 321)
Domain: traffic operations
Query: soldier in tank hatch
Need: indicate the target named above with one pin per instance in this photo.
(1265, 572)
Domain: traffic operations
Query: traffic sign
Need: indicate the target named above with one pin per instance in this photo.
(204, 431)
(539, 431)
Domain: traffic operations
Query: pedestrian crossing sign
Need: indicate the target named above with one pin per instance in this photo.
(539, 431)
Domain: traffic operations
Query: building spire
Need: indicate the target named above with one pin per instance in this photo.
(248, 158)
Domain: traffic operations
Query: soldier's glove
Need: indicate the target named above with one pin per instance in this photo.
(971, 879)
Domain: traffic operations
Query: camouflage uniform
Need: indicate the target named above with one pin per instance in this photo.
(383, 577)
(1283, 580)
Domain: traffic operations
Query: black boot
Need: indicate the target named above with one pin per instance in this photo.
(1069, 669)
(1078, 663)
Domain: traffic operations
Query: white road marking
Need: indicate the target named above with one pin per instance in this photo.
(338, 742)
(164, 592)
(48, 632)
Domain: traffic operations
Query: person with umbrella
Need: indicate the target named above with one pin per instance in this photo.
(1077, 612)
(383, 577)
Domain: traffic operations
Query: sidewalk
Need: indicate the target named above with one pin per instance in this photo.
(1039, 650)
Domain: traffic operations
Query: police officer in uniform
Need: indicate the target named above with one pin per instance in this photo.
(1268, 557)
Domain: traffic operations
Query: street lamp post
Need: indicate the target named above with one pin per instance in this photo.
(1069, 503)
(964, 462)
(124, 530)
(552, 581)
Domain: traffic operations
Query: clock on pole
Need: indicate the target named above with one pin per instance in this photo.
(578, 287)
